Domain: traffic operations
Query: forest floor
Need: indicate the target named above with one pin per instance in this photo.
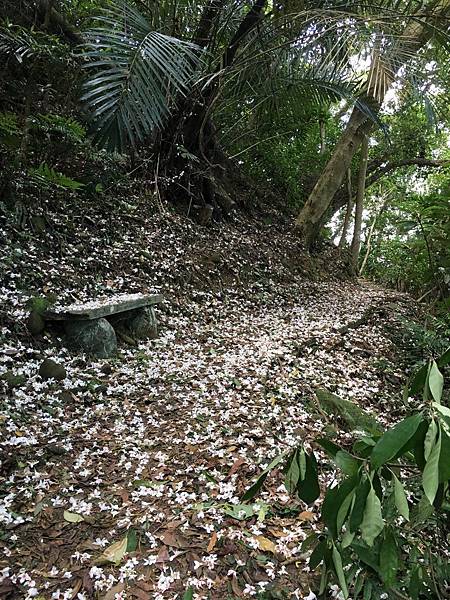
(142, 459)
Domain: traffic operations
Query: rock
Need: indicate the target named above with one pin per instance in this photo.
(50, 369)
(95, 337)
(142, 324)
(35, 323)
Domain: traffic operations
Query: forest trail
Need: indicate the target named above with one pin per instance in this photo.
(154, 450)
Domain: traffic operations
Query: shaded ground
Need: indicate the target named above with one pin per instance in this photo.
(159, 444)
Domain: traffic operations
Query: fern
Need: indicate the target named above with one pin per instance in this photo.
(46, 177)
(66, 126)
(9, 124)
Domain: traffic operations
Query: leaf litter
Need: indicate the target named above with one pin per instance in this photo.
(164, 440)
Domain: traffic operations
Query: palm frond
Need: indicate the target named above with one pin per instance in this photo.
(136, 76)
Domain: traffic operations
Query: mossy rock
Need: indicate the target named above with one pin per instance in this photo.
(355, 417)
(96, 337)
(50, 369)
(35, 323)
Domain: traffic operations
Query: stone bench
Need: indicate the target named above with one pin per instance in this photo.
(91, 327)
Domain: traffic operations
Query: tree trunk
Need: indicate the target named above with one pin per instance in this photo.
(348, 212)
(323, 145)
(356, 241)
(370, 234)
(381, 76)
(333, 174)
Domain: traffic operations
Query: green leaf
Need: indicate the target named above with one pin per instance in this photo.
(71, 517)
(135, 75)
(358, 584)
(430, 475)
(430, 438)
(333, 500)
(366, 555)
(254, 489)
(131, 540)
(317, 555)
(421, 512)
(292, 473)
(435, 382)
(367, 594)
(372, 524)
(188, 594)
(357, 514)
(343, 510)
(308, 489)
(444, 459)
(330, 447)
(337, 561)
(394, 439)
(239, 511)
(388, 559)
(401, 501)
(347, 463)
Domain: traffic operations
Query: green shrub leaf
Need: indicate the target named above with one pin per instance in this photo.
(388, 559)
(394, 439)
(401, 501)
(372, 524)
(430, 476)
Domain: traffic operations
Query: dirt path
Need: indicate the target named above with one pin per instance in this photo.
(160, 444)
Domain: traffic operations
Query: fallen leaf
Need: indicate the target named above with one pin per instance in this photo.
(115, 552)
(175, 539)
(277, 532)
(140, 593)
(212, 542)
(306, 515)
(234, 586)
(265, 544)
(236, 465)
(111, 593)
(163, 555)
(71, 517)
(76, 588)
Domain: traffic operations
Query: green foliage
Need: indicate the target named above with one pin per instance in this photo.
(137, 74)
(352, 415)
(46, 176)
(371, 543)
(59, 124)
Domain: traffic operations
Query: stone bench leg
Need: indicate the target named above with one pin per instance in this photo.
(95, 337)
(142, 323)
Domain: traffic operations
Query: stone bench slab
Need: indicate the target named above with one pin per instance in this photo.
(102, 308)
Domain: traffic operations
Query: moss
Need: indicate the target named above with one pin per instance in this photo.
(355, 417)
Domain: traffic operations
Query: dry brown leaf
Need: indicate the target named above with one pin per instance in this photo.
(234, 586)
(174, 539)
(114, 553)
(306, 515)
(265, 544)
(76, 588)
(277, 532)
(212, 542)
(111, 594)
(140, 593)
(236, 466)
(163, 555)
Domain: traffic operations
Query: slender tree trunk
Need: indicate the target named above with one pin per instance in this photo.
(323, 145)
(370, 235)
(348, 211)
(356, 241)
(381, 76)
